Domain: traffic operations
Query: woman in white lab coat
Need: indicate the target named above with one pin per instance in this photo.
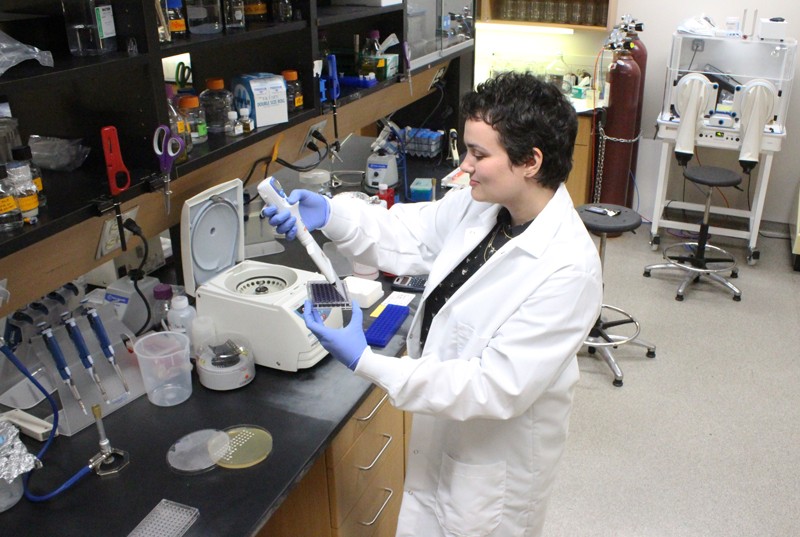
(514, 286)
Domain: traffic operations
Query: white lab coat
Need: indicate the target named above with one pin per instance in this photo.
(492, 390)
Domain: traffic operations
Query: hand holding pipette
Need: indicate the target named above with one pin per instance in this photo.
(284, 214)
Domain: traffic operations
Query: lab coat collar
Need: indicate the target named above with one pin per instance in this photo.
(539, 234)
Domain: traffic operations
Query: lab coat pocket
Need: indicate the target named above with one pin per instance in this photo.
(469, 497)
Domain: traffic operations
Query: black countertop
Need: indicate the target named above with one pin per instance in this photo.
(303, 411)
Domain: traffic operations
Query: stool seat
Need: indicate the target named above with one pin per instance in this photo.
(605, 219)
(712, 176)
(618, 219)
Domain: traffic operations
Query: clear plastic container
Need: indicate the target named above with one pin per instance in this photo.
(189, 106)
(234, 16)
(204, 16)
(178, 126)
(255, 11)
(216, 102)
(247, 122)
(165, 366)
(162, 293)
(23, 153)
(234, 127)
(90, 27)
(24, 190)
(10, 215)
(294, 90)
(282, 11)
(177, 22)
(180, 316)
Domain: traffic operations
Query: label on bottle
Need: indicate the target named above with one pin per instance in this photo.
(28, 203)
(202, 129)
(177, 25)
(105, 21)
(181, 125)
(255, 9)
(38, 182)
(8, 204)
(298, 100)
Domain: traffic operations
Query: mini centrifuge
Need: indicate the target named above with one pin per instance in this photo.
(261, 301)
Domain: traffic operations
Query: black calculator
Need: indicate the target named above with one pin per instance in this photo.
(414, 284)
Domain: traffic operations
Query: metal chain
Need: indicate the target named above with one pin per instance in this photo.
(601, 155)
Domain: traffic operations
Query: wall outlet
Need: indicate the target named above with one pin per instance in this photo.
(109, 236)
(318, 126)
(437, 77)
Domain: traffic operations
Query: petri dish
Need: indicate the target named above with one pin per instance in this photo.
(198, 452)
(246, 446)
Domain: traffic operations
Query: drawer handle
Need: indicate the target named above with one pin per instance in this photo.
(380, 453)
(377, 516)
(374, 410)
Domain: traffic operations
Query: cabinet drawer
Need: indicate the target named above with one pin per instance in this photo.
(377, 450)
(376, 511)
(356, 425)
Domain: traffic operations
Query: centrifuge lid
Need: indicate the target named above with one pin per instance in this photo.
(212, 233)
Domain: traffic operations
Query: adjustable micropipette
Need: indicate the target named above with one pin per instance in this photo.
(83, 351)
(105, 344)
(61, 363)
(271, 192)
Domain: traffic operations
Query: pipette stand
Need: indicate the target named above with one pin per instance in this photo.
(71, 417)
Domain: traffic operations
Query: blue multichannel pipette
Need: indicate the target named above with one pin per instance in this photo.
(105, 344)
(271, 192)
(61, 363)
(83, 351)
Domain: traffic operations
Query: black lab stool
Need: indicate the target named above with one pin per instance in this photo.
(606, 334)
(703, 259)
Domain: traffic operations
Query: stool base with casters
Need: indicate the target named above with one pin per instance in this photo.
(602, 341)
(704, 260)
(603, 219)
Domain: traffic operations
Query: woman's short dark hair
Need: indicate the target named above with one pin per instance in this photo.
(527, 113)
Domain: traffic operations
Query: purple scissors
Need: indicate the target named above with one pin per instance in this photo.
(167, 148)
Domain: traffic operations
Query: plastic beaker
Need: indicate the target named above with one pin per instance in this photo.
(165, 366)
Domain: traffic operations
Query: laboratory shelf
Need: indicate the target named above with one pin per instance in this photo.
(196, 43)
(30, 73)
(329, 15)
(219, 146)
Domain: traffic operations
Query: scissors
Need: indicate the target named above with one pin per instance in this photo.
(167, 148)
(182, 74)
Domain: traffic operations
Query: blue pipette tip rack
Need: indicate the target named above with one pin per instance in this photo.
(386, 325)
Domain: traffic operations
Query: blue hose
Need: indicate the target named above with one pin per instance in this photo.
(5, 349)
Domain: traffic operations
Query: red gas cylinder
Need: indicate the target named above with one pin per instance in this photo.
(639, 54)
(624, 78)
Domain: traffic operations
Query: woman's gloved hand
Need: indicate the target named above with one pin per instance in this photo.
(345, 344)
(314, 210)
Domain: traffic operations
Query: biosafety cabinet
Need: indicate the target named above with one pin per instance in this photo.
(728, 74)
(730, 93)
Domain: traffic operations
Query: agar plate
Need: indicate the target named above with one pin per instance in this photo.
(247, 446)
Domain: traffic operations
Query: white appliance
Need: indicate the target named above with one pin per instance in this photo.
(260, 301)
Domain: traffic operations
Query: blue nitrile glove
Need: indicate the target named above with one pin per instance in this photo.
(345, 344)
(314, 210)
